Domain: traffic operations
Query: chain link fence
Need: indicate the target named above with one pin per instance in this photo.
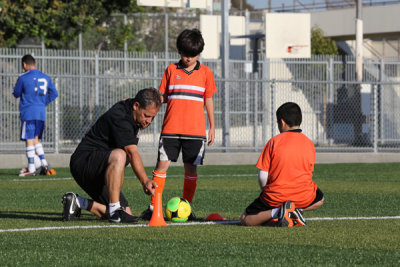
(339, 114)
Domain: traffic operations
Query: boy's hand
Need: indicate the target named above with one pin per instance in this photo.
(211, 136)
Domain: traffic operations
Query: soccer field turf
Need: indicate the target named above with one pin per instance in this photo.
(359, 223)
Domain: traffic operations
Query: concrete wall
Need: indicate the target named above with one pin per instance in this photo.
(377, 21)
(235, 158)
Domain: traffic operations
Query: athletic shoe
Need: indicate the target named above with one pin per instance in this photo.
(284, 219)
(297, 217)
(120, 216)
(46, 170)
(147, 214)
(71, 209)
(192, 217)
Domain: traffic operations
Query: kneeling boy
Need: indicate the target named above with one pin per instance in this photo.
(285, 175)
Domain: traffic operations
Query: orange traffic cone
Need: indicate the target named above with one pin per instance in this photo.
(157, 219)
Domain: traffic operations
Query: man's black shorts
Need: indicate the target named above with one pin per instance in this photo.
(192, 149)
(258, 205)
(88, 169)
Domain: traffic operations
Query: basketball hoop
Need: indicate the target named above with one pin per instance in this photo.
(294, 49)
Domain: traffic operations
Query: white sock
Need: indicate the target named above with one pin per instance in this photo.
(275, 212)
(113, 207)
(30, 154)
(40, 152)
(83, 202)
(151, 207)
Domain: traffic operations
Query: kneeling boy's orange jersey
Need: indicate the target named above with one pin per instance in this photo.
(289, 160)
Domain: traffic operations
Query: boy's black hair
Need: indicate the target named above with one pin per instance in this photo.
(148, 96)
(28, 60)
(291, 114)
(190, 43)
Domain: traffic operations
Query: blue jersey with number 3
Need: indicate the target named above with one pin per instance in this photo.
(35, 90)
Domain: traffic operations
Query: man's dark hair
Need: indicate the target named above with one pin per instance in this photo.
(190, 43)
(148, 96)
(28, 60)
(291, 114)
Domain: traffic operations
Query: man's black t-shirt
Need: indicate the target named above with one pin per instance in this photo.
(114, 129)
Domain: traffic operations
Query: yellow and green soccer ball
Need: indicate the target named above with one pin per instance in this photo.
(177, 209)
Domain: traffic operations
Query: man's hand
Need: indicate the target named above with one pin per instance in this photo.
(149, 187)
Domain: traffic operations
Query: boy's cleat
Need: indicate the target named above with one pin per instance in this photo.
(71, 209)
(147, 214)
(284, 218)
(120, 216)
(46, 170)
(297, 217)
(192, 217)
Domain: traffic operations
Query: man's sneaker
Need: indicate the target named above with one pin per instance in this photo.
(297, 217)
(120, 216)
(71, 209)
(284, 219)
(147, 214)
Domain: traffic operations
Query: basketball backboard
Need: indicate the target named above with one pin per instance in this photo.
(287, 35)
(210, 27)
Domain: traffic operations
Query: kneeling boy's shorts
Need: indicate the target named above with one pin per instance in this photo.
(259, 205)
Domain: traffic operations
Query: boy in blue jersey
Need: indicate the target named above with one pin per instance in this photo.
(35, 91)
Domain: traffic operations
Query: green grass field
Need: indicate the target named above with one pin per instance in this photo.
(351, 190)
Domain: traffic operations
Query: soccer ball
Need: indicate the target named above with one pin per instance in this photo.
(177, 209)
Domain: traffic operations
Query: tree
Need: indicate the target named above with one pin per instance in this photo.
(59, 22)
(321, 45)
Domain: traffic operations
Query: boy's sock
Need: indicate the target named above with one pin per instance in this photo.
(83, 203)
(189, 186)
(112, 207)
(40, 152)
(159, 178)
(30, 154)
(275, 212)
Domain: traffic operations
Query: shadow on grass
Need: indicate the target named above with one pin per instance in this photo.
(41, 216)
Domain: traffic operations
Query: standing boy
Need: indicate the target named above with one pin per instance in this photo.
(187, 87)
(36, 91)
(285, 175)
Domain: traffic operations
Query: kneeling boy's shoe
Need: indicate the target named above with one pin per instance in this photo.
(120, 216)
(297, 217)
(71, 209)
(146, 214)
(284, 219)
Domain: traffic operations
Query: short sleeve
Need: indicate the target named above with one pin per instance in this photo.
(211, 88)
(264, 160)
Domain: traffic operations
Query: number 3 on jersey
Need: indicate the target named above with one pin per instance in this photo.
(42, 85)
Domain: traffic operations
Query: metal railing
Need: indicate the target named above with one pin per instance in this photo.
(339, 114)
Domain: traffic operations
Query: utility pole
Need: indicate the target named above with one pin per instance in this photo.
(225, 73)
(359, 42)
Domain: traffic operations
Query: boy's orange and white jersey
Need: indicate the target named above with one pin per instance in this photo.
(289, 160)
(186, 95)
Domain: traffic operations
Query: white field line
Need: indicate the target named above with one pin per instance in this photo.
(174, 175)
(182, 224)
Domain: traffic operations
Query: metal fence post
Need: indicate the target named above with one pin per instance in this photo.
(272, 108)
(155, 123)
(255, 103)
(375, 123)
(56, 122)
